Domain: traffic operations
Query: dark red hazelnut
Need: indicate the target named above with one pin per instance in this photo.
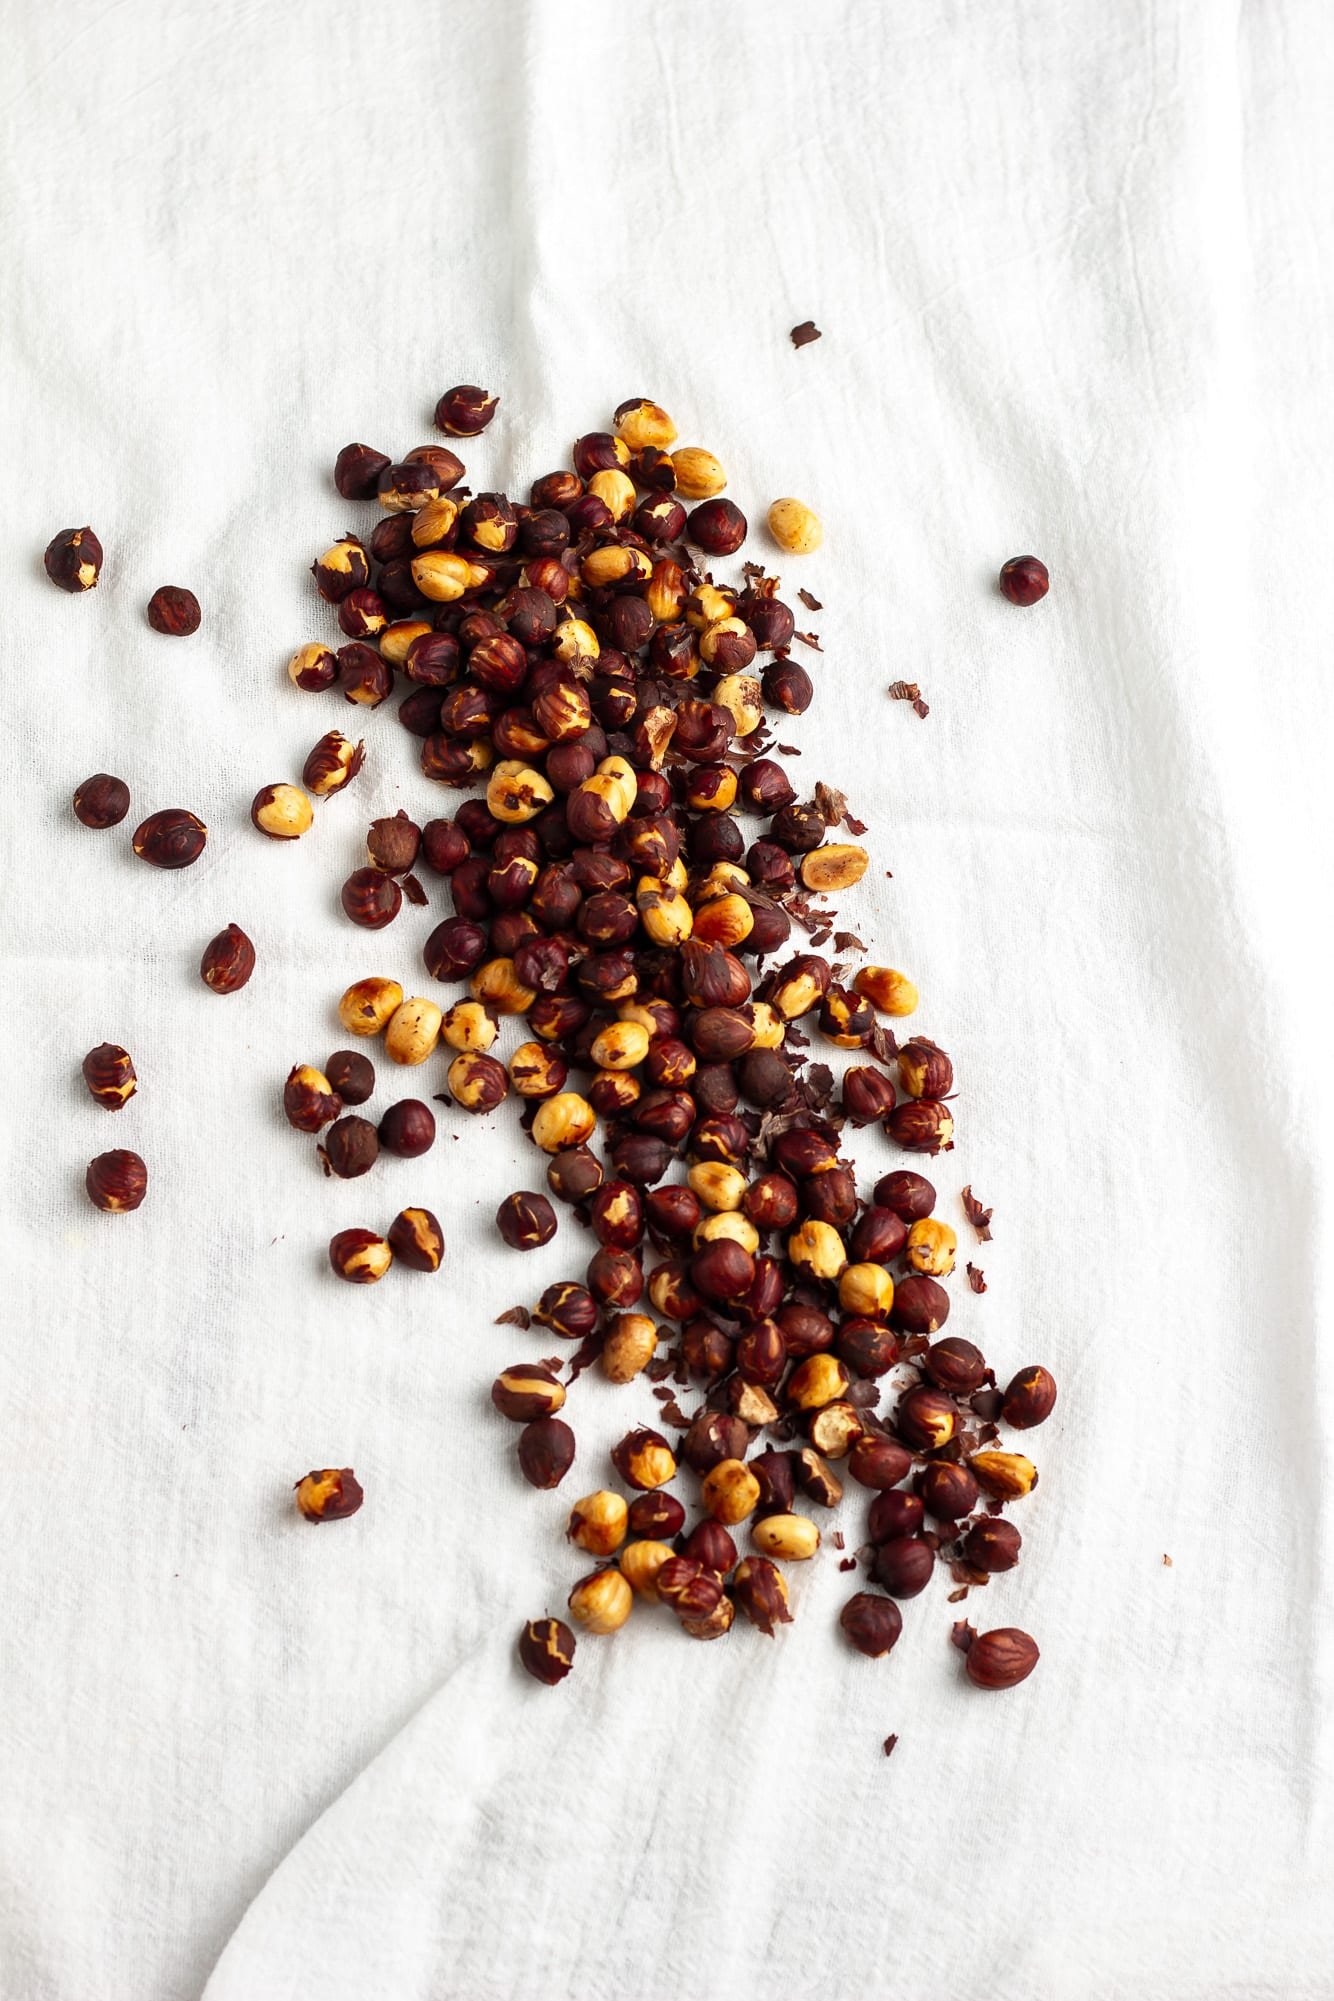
(357, 471)
(350, 1148)
(526, 1221)
(116, 1181)
(73, 560)
(352, 1075)
(171, 839)
(878, 1462)
(546, 1452)
(955, 1365)
(926, 1419)
(1030, 1398)
(948, 1490)
(1002, 1658)
(910, 1196)
(718, 527)
(108, 1071)
(895, 1514)
(407, 1129)
(371, 898)
(465, 411)
(903, 1567)
(568, 1310)
(921, 1305)
(174, 611)
(102, 801)
(871, 1623)
(992, 1544)
(1024, 580)
(228, 961)
(867, 1095)
(546, 1650)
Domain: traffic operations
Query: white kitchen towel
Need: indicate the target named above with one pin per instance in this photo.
(1071, 263)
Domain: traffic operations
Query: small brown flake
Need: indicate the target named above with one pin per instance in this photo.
(803, 335)
(848, 941)
(837, 1539)
(979, 1217)
(848, 1563)
(888, 1746)
(955, 1596)
(787, 750)
(414, 892)
(977, 1278)
(811, 603)
(962, 1635)
(518, 1316)
(810, 639)
(1167, 1562)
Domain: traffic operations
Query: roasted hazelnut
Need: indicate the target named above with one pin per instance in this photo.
(877, 1462)
(465, 411)
(478, 1083)
(1006, 1476)
(926, 1419)
(73, 560)
(948, 1490)
(921, 1125)
(730, 1491)
(431, 659)
(368, 1005)
(806, 1330)
(955, 1365)
(641, 1157)
(350, 1148)
(228, 961)
(602, 1602)
(750, 1402)
(527, 1391)
(903, 1566)
(109, 1074)
(562, 1122)
(688, 1586)
(371, 899)
(365, 678)
(878, 1236)
(332, 763)
(598, 1523)
(931, 1247)
(313, 668)
(309, 1100)
(799, 986)
(616, 1215)
(640, 1564)
(173, 611)
(872, 1624)
(992, 1544)
(497, 983)
(363, 614)
(360, 1256)
(771, 1202)
(629, 1347)
(795, 527)
(909, 1196)
(416, 1239)
(643, 424)
(102, 801)
(925, 1071)
(867, 1346)
(713, 1436)
(816, 1477)
(615, 1277)
(407, 1129)
(117, 1180)
(171, 839)
(357, 471)
(698, 473)
(546, 1650)
(526, 1221)
(545, 1451)
(711, 1545)
(865, 1289)
(283, 812)
(393, 844)
(656, 1514)
(759, 1589)
(867, 1094)
(343, 568)
(722, 1270)
(574, 1174)
(330, 1495)
(895, 1514)
(403, 488)
(820, 1379)
(717, 526)
(568, 1310)
(1030, 1398)
(351, 1075)
(921, 1306)
(817, 1250)
(1005, 1656)
(786, 685)
(710, 1625)
(1024, 580)
(892, 993)
(792, 1537)
(644, 1459)
(412, 1031)
(835, 865)
(469, 1024)
(455, 948)
(835, 1429)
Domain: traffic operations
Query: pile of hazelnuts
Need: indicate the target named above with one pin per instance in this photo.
(626, 877)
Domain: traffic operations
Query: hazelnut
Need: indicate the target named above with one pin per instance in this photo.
(759, 1589)
(892, 993)
(393, 844)
(1006, 1476)
(867, 1346)
(640, 1564)
(343, 568)
(719, 1186)
(545, 1452)
(442, 576)
(171, 839)
(921, 1125)
(465, 411)
(454, 948)
(601, 1603)
(795, 527)
(357, 470)
(228, 961)
(283, 812)
(365, 678)
(351, 1075)
(894, 1515)
(819, 1380)
(1005, 1656)
(931, 1247)
(643, 424)
(368, 1005)
(792, 1537)
(741, 696)
(788, 686)
(710, 1625)
(332, 763)
(865, 1289)
(412, 1031)
(877, 1462)
(546, 1650)
(903, 1566)
(713, 1436)
(717, 526)
(879, 1235)
(955, 1365)
(836, 865)
(498, 984)
(350, 1148)
(596, 451)
(644, 1459)
(371, 899)
(516, 793)
(925, 1071)
(527, 1391)
(750, 1402)
(416, 1239)
(330, 1495)
(568, 1310)
(926, 1419)
(173, 611)
(817, 1250)
(948, 1490)
(730, 1491)
(73, 560)
(921, 1306)
(1024, 580)
(526, 1221)
(598, 1523)
(360, 1256)
(102, 801)
(478, 1083)
(630, 1346)
(116, 1180)
(835, 1429)
(309, 1099)
(407, 1129)
(538, 1072)
(817, 1478)
(622, 1045)
(469, 1024)
(992, 1544)
(109, 1075)
(723, 1269)
(698, 473)
(1030, 1398)
(691, 1588)
(565, 1121)
(872, 1623)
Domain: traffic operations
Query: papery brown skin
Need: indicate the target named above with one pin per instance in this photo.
(546, 1649)
(109, 1074)
(73, 560)
(228, 961)
(116, 1181)
(174, 611)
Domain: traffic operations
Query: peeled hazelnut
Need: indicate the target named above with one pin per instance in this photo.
(1030, 1398)
(515, 792)
(931, 1247)
(228, 961)
(817, 1478)
(836, 865)
(469, 1024)
(526, 1221)
(926, 1419)
(309, 1099)
(360, 1256)
(545, 1452)
(331, 764)
(903, 1566)
(819, 1380)
(730, 1491)
(109, 1075)
(351, 1075)
(741, 696)
(644, 1459)
(174, 611)
(116, 1181)
(622, 1045)
(865, 1289)
(640, 1564)
(527, 1391)
(350, 1148)
(546, 1650)
(497, 983)
(643, 424)
(73, 560)
(407, 1129)
(630, 1346)
(1004, 1657)
(368, 1005)
(371, 899)
(477, 1083)
(921, 1125)
(873, 1624)
(442, 576)
(416, 1239)
(792, 1537)
(992, 1544)
(102, 801)
(343, 568)
(835, 1429)
(759, 1589)
(313, 667)
(283, 812)
(1006, 1476)
(601, 1603)
(795, 527)
(538, 1072)
(565, 1121)
(412, 1031)
(465, 411)
(892, 993)
(329, 1496)
(698, 473)
(598, 1523)
(1024, 580)
(817, 1250)
(171, 839)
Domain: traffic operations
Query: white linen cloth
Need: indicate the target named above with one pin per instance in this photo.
(1072, 267)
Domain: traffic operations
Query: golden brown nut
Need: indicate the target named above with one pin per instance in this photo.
(931, 1247)
(836, 865)
(698, 473)
(469, 1024)
(820, 1379)
(795, 527)
(645, 426)
(629, 1347)
(640, 1564)
(890, 992)
(794, 1537)
(866, 1288)
(283, 812)
(413, 1031)
(563, 1121)
(1006, 1476)
(601, 1602)
(330, 1495)
(817, 1249)
(730, 1492)
(598, 1522)
(369, 1005)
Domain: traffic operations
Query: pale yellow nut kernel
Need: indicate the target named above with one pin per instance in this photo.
(640, 1564)
(413, 1031)
(818, 1249)
(615, 490)
(630, 1346)
(718, 1186)
(792, 1536)
(497, 984)
(931, 1247)
(601, 1603)
(598, 1523)
(730, 1492)
(368, 1005)
(645, 427)
(795, 527)
(469, 1025)
(620, 1045)
(866, 1288)
(565, 1120)
(727, 1223)
(515, 792)
(835, 866)
(698, 473)
(889, 992)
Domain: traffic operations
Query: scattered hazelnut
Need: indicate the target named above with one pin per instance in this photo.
(331, 764)
(546, 1650)
(872, 1624)
(360, 1256)
(691, 1588)
(921, 1305)
(283, 812)
(173, 611)
(759, 1589)
(698, 473)
(371, 898)
(343, 568)
(228, 961)
(630, 1346)
(350, 1148)
(992, 1544)
(717, 526)
(1024, 580)
(895, 1514)
(73, 560)
(709, 1625)
(527, 1391)
(903, 1566)
(835, 1428)
(416, 1239)
(109, 1075)
(949, 1491)
(892, 993)
(102, 801)
(1006, 1476)
(819, 1380)
(640, 1563)
(931, 1247)
(878, 1462)
(170, 839)
(955, 1365)
(921, 1125)
(116, 1180)
(351, 1075)
(412, 1031)
(563, 1122)
(357, 471)
(730, 1491)
(568, 1310)
(792, 1537)
(368, 1005)
(407, 1129)
(644, 425)
(330, 1495)
(598, 1523)
(469, 1024)
(644, 1459)
(656, 1514)
(865, 1289)
(313, 667)
(817, 1250)
(545, 1452)
(309, 1099)
(526, 1221)
(834, 866)
(926, 1419)
(1030, 1398)
(393, 844)
(601, 1603)
(477, 1083)
(465, 411)
(1002, 1658)
(795, 527)
(925, 1071)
